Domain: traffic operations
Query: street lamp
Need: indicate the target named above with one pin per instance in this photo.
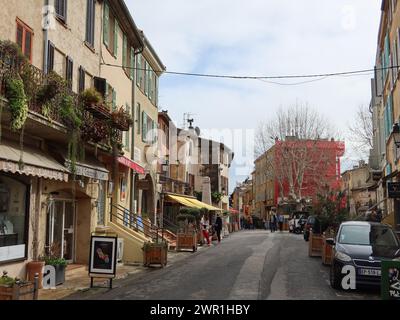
(396, 134)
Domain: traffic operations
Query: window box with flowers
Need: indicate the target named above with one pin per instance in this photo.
(121, 119)
(93, 102)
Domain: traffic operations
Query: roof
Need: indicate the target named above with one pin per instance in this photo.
(363, 223)
(153, 53)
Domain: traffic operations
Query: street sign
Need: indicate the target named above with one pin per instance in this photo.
(394, 190)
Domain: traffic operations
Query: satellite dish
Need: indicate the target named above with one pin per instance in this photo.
(197, 130)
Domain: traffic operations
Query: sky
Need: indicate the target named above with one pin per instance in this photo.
(260, 38)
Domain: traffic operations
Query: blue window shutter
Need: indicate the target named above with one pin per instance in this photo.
(138, 70)
(106, 24)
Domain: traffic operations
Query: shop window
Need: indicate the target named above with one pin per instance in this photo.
(13, 219)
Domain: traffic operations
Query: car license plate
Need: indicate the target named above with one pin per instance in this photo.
(370, 272)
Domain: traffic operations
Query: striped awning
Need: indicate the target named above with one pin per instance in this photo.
(30, 162)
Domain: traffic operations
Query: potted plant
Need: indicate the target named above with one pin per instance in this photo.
(121, 119)
(94, 103)
(35, 266)
(155, 253)
(14, 289)
(59, 264)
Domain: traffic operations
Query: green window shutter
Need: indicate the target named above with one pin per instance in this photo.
(132, 64)
(124, 50)
(144, 126)
(127, 140)
(138, 69)
(146, 87)
(114, 99)
(156, 90)
(106, 24)
(116, 28)
(150, 79)
(138, 113)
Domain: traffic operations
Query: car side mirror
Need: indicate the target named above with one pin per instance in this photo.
(330, 241)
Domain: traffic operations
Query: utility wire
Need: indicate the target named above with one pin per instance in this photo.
(205, 75)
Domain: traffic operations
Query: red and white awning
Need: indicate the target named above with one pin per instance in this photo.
(131, 164)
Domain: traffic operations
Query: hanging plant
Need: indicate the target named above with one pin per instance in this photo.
(90, 97)
(16, 97)
(70, 114)
(53, 87)
(11, 54)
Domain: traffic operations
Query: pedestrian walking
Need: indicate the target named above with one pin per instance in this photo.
(204, 228)
(218, 227)
(272, 222)
(280, 221)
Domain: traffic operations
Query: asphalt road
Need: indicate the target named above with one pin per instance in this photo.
(247, 265)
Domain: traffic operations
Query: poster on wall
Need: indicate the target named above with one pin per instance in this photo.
(103, 255)
(390, 285)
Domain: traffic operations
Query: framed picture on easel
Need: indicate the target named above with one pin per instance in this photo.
(103, 258)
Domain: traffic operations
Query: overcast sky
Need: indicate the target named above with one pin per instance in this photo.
(260, 38)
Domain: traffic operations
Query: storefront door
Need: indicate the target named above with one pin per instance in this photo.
(60, 234)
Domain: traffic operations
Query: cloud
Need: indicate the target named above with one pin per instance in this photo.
(260, 37)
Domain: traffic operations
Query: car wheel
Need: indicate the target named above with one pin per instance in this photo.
(335, 277)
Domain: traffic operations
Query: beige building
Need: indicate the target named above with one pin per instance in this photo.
(62, 200)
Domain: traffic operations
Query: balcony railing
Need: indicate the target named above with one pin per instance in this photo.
(96, 128)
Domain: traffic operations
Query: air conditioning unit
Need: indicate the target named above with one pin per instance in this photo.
(120, 249)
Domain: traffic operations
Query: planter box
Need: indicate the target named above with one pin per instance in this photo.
(99, 111)
(327, 251)
(315, 245)
(155, 253)
(186, 241)
(60, 274)
(21, 291)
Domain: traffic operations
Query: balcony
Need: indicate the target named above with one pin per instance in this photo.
(51, 111)
(170, 185)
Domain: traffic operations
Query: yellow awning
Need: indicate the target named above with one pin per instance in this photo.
(192, 203)
(182, 200)
(203, 205)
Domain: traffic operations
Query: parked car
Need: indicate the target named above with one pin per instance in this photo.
(363, 245)
(307, 226)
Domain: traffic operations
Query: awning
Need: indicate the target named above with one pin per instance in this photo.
(192, 203)
(90, 167)
(35, 162)
(131, 164)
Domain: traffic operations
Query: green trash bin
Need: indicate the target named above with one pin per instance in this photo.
(390, 280)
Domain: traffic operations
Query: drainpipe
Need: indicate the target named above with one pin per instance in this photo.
(46, 41)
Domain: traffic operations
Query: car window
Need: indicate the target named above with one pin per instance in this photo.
(311, 220)
(368, 235)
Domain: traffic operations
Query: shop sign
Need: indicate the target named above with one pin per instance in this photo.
(394, 190)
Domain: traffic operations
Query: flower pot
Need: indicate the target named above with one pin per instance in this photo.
(32, 268)
(186, 241)
(21, 291)
(60, 274)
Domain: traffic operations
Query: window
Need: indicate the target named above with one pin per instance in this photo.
(24, 39)
(69, 68)
(90, 18)
(110, 31)
(81, 85)
(111, 97)
(146, 83)
(139, 72)
(13, 218)
(50, 57)
(144, 126)
(126, 133)
(61, 9)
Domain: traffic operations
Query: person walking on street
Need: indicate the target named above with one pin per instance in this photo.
(218, 227)
(272, 221)
(204, 227)
(280, 220)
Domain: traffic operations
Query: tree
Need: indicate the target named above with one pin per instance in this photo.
(361, 131)
(297, 150)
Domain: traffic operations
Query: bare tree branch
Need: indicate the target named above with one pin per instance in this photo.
(361, 131)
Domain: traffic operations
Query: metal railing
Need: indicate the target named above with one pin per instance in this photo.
(127, 218)
(169, 225)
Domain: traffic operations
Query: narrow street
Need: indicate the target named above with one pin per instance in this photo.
(246, 265)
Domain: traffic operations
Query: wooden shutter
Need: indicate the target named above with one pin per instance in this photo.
(144, 126)
(146, 87)
(90, 19)
(61, 9)
(114, 99)
(132, 64)
(116, 28)
(69, 71)
(138, 113)
(138, 70)
(81, 86)
(106, 24)
(50, 57)
(127, 140)
(124, 50)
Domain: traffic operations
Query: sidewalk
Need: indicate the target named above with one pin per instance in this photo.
(77, 278)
